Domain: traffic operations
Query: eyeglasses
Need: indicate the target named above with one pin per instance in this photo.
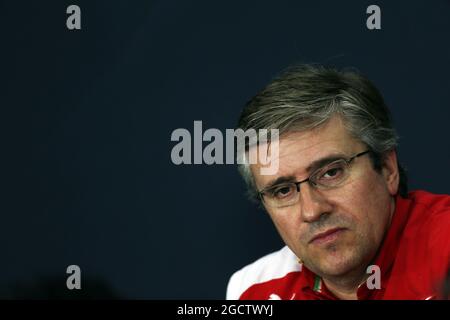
(329, 176)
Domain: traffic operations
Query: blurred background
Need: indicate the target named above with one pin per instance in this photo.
(87, 116)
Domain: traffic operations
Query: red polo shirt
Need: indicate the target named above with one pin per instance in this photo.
(414, 259)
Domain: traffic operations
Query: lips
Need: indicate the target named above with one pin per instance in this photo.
(329, 235)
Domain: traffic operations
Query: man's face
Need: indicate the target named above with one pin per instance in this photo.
(351, 218)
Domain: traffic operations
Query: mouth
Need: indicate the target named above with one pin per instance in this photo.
(327, 236)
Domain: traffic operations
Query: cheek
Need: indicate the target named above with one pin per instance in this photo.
(367, 201)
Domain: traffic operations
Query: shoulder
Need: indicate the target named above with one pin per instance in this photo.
(272, 266)
(425, 238)
(430, 200)
(430, 212)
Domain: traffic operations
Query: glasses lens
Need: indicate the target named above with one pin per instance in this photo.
(282, 195)
(332, 175)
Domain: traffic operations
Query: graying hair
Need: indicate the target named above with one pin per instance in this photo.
(304, 97)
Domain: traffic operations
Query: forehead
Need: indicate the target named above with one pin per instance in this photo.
(297, 150)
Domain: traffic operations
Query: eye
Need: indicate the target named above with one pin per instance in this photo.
(332, 172)
(283, 191)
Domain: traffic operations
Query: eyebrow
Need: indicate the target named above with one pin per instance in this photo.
(313, 166)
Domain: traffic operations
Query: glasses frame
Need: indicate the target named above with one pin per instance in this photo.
(298, 183)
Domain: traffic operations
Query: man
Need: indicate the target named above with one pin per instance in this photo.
(339, 198)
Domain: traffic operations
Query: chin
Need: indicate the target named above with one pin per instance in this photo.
(337, 265)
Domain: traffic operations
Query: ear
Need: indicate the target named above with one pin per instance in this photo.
(390, 172)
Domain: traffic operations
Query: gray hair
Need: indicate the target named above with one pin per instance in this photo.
(304, 97)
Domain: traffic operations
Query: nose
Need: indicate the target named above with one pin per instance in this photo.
(313, 205)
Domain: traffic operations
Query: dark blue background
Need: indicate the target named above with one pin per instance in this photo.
(87, 117)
